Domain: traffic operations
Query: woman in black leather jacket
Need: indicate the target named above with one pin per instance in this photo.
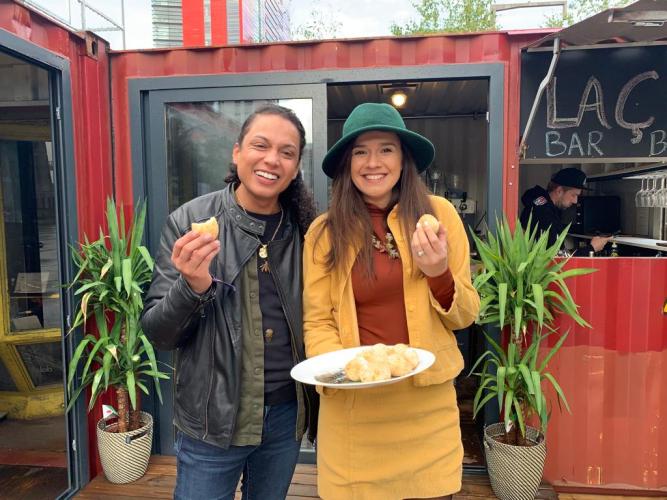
(231, 307)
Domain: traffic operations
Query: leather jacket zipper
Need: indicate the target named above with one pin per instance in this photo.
(210, 384)
(209, 296)
(230, 329)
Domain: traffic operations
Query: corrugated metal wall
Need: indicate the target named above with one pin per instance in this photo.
(461, 154)
(614, 376)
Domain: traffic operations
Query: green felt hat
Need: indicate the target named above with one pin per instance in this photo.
(373, 116)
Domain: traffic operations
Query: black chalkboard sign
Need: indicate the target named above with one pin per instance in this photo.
(603, 105)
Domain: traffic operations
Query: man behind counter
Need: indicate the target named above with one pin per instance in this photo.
(547, 206)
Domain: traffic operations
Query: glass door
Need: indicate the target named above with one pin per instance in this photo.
(33, 426)
(189, 135)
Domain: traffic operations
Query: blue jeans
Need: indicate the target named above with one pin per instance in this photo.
(206, 471)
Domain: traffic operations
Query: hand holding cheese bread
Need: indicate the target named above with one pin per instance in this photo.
(429, 246)
(207, 227)
(192, 254)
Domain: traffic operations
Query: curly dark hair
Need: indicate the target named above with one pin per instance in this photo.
(297, 198)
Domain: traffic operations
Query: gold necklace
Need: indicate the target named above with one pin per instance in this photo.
(264, 247)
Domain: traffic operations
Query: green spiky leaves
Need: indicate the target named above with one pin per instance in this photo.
(112, 274)
(522, 290)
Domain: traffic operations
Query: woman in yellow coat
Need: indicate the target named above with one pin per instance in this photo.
(372, 274)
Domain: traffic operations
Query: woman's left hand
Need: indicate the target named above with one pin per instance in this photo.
(429, 250)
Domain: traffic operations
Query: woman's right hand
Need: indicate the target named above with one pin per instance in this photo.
(430, 250)
(192, 255)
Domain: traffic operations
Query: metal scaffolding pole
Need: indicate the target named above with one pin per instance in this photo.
(85, 6)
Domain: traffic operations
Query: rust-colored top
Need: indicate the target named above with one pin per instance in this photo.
(379, 301)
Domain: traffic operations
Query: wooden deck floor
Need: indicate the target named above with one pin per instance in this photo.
(159, 481)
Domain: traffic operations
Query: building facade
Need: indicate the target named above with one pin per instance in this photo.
(192, 23)
(167, 23)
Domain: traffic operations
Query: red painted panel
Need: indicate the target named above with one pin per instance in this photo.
(193, 22)
(91, 126)
(218, 22)
(623, 302)
(615, 378)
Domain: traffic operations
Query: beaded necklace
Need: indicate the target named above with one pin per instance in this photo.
(388, 247)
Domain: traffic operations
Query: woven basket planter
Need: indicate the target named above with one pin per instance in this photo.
(125, 455)
(515, 471)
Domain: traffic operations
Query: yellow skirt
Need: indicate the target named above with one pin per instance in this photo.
(391, 442)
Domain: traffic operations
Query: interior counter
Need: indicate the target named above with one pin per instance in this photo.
(635, 241)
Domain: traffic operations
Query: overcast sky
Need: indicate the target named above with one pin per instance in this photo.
(374, 17)
(356, 17)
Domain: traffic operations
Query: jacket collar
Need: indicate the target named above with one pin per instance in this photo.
(239, 216)
(246, 222)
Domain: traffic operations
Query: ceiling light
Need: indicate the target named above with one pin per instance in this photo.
(398, 98)
(397, 93)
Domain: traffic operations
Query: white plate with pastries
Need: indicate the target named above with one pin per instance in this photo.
(329, 369)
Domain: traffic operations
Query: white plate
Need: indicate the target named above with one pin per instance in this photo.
(306, 371)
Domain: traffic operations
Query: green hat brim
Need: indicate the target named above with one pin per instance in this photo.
(421, 148)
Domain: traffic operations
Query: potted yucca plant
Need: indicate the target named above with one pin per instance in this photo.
(112, 273)
(522, 289)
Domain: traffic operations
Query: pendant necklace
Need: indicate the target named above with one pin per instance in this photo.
(264, 247)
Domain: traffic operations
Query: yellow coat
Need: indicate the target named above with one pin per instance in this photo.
(330, 320)
(419, 416)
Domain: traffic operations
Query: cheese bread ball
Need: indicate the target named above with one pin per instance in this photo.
(207, 227)
(411, 356)
(381, 362)
(431, 221)
(354, 368)
(398, 348)
(376, 354)
(375, 372)
(398, 365)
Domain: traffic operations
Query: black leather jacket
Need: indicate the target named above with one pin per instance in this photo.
(206, 329)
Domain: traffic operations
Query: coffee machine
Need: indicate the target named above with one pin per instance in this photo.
(454, 191)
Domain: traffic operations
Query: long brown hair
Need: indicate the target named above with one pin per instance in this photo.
(349, 223)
